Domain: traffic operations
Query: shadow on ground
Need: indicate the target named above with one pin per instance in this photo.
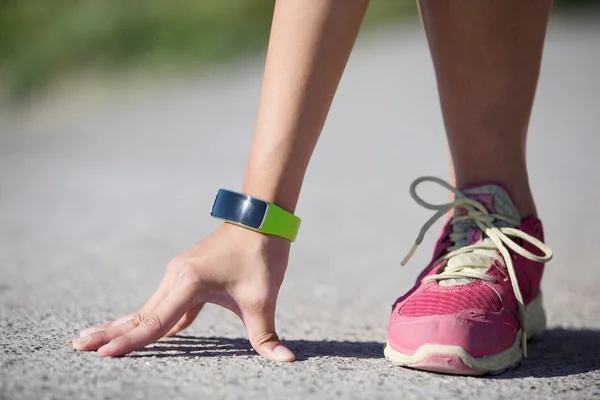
(558, 352)
(191, 346)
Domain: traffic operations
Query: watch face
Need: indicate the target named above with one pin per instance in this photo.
(239, 208)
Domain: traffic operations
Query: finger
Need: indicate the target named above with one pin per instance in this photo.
(99, 338)
(186, 320)
(161, 292)
(89, 331)
(260, 325)
(154, 326)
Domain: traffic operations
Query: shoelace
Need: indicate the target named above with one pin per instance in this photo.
(470, 262)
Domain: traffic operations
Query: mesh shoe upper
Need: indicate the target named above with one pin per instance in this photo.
(485, 270)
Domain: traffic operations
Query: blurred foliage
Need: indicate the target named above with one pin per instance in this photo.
(44, 39)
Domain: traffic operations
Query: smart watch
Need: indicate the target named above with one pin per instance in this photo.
(255, 214)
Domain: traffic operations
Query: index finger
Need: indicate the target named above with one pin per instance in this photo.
(155, 325)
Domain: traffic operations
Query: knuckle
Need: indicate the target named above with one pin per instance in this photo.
(152, 322)
(188, 273)
(136, 319)
(264, 337)
(175, 263)
(133, 323)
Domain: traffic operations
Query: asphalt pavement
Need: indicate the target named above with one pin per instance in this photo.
(100, 186)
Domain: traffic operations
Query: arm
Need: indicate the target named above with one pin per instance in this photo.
(308, 51)
(236, 268)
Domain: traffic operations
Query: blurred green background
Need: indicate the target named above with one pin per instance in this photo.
(42, 40)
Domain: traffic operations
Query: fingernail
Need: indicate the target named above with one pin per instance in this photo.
(283, 353)
(87, 331)
(81, 341)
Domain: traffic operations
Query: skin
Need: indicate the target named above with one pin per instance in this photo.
(239, 269)
(487, 56)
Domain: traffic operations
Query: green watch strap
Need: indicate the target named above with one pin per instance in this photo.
(279, 222)
(255, 214)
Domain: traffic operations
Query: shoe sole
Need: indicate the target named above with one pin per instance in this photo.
(456, 360)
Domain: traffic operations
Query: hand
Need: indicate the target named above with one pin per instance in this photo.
(235, 268)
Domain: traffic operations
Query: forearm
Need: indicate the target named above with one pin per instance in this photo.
(308, 51)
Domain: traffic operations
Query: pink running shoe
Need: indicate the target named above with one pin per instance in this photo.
(473, 308)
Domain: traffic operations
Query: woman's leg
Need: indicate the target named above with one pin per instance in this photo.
(487, 57)
(478, 300)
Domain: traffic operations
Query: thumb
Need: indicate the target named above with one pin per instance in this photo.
(260, 326)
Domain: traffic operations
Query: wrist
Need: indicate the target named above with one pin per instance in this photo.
(256, 240)
(255, 214)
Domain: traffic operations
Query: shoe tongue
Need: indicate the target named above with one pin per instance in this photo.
(497, 201)
(494, 198)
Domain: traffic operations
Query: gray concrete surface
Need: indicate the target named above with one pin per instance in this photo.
(99, 189)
